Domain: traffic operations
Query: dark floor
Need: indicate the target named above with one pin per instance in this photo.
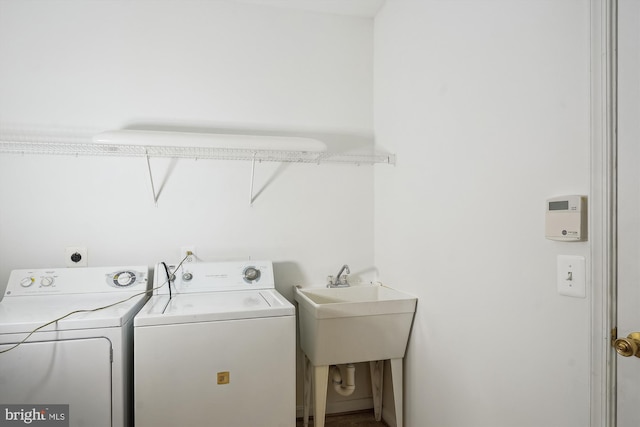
(353, 419)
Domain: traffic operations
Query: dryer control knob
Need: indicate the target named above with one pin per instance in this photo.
(251, 274)
(124, 278)
(46, 281)
(27, 281)
(187, 276)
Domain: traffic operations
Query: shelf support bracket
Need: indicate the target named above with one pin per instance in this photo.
(153, 188)
(253, 171)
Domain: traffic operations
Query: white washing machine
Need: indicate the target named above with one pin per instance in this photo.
(83, 360)
(219, 352)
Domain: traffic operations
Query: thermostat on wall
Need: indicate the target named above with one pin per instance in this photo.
(566, 218)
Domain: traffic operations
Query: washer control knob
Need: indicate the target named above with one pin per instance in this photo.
(251, 274)
(27, 281)
(46, 281)
(124, 278)
(187, 276)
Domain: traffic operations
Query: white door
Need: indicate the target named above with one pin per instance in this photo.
(628, 368)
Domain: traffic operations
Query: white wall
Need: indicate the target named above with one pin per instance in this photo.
(194, 65)
(486, 104)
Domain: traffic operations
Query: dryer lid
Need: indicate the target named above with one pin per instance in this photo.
(26, 313)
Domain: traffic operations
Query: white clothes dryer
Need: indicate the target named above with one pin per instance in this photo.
(219, 352)
(83, 360)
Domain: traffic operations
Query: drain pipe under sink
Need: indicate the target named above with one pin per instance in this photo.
(347, 387)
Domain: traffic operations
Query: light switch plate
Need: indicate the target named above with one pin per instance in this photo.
(571, 276)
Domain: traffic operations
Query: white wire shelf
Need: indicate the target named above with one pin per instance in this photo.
(78, 143)
(125, 150)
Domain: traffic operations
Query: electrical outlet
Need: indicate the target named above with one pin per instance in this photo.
(76, 256)
(184, 252)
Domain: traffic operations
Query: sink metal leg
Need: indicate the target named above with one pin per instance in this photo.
(320, 379)
(376, 368)
(306, 393)
(396, 377)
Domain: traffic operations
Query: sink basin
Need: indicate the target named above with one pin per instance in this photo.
(354, 324)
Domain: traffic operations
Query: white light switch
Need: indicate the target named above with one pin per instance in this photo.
(571, 276)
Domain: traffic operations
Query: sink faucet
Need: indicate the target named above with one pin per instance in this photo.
(340, 280)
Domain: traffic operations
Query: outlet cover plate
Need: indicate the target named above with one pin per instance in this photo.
(76, 256)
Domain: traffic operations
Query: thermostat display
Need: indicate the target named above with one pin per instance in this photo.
(566, 218)
(562, 205)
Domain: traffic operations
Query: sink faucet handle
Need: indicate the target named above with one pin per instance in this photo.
(329, 281)
(340, 279)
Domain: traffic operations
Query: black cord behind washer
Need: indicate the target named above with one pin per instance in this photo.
(169, 275)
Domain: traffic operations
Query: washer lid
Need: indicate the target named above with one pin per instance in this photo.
(207, 307)
(26, 313)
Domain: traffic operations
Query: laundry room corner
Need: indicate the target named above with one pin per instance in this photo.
(81, 68)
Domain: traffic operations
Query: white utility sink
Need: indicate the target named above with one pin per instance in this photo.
(348, 325)
(354, 324)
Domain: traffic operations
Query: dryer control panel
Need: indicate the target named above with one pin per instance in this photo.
(64, 281)
(214, 277)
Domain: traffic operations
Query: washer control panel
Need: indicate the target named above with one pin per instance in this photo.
(215, 276)
(64, 281)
